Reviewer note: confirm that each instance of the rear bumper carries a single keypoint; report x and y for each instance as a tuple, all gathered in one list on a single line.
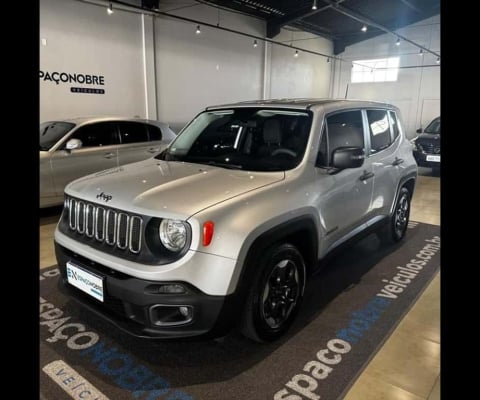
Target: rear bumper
[(130, 305)]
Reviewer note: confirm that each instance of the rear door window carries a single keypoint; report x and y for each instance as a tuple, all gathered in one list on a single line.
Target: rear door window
[(132, 132), (379, 127), (154, 133)]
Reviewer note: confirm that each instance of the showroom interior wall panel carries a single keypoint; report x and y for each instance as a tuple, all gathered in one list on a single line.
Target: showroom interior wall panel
[(307, 75), (82, 39), (416, 91), (214, 67), (157, 67)]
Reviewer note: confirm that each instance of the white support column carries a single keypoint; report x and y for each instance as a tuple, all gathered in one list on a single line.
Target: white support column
[(267, 70), (148, 40)]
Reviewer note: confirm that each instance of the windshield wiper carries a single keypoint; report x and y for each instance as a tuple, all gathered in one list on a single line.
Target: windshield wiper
[(224, 165)]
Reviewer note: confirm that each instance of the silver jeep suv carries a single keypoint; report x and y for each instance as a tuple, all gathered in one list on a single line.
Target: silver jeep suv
[(227, 223)]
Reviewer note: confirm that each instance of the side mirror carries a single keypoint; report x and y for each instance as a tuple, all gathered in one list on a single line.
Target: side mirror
[(73, 144), (419, 130), (348, 157)]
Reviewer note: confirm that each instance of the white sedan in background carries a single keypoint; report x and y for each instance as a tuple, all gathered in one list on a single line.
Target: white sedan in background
[(70, 149)]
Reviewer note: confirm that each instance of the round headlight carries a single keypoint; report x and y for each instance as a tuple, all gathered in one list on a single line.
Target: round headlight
[(173, 234)]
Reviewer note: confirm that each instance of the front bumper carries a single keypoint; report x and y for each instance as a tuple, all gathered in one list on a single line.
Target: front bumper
[(421, 159), (128, 304)]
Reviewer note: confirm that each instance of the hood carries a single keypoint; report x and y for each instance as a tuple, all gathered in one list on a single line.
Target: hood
[(167, 188)]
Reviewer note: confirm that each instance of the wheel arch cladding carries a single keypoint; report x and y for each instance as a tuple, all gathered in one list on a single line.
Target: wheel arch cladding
[(300, 232), (407, 181), (410, 185)]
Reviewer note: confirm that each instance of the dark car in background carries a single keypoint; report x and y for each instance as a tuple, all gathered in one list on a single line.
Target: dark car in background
[(426, 146)]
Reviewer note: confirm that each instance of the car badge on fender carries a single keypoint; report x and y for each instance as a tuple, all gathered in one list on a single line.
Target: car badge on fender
[(104, 196)]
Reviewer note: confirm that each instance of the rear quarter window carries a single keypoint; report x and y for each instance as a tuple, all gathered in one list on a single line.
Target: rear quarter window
[(394, 124)]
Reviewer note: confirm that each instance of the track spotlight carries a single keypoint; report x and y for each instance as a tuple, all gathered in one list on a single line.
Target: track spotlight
[(110, 8), (420, 53), (314, 5), (364, 28), (398, 42), (438, 60), (255, 43), (296, 54), (198, 31), (328, 59)]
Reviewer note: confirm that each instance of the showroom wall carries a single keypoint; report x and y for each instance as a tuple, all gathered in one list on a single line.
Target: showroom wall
[(416, 91), (307, 75), (159, 68), (81, 40), (214, 67)]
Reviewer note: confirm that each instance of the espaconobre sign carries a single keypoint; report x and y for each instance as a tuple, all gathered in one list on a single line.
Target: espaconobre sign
[(83, 79)]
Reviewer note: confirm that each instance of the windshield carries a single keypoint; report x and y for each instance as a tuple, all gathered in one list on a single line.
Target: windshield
[(433, 127), (254, 139), (51, 132)]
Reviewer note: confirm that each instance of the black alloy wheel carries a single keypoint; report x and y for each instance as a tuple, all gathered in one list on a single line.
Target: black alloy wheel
[(276, 293), (401, 215), (397, 225)]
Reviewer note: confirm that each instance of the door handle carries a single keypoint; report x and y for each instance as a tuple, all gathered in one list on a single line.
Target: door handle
[(109, 155), (397, 161), (366, 175), (153, 150)]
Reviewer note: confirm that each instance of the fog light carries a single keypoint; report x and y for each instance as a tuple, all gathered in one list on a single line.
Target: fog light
[(168, 315)]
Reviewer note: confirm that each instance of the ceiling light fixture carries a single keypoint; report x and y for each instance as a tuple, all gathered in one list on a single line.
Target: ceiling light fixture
[(314, 5), (110, 8), (398, 42), (255, 43), (198, 31), (296, 53), (328, 59), (438, 60), (364, 28), (420, 53)]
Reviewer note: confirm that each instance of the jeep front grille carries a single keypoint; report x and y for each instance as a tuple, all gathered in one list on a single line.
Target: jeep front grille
[(113, 227)]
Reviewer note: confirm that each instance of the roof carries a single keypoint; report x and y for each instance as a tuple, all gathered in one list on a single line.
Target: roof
[(302, 103), (99, 118)]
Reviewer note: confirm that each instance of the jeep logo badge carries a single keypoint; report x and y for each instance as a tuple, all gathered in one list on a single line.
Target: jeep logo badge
[(104, 196)]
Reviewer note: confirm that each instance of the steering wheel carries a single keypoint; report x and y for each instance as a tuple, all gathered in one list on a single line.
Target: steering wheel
[(289, 152)]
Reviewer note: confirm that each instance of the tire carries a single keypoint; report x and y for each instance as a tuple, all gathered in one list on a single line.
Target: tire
[(395, 229), (276, 293)]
